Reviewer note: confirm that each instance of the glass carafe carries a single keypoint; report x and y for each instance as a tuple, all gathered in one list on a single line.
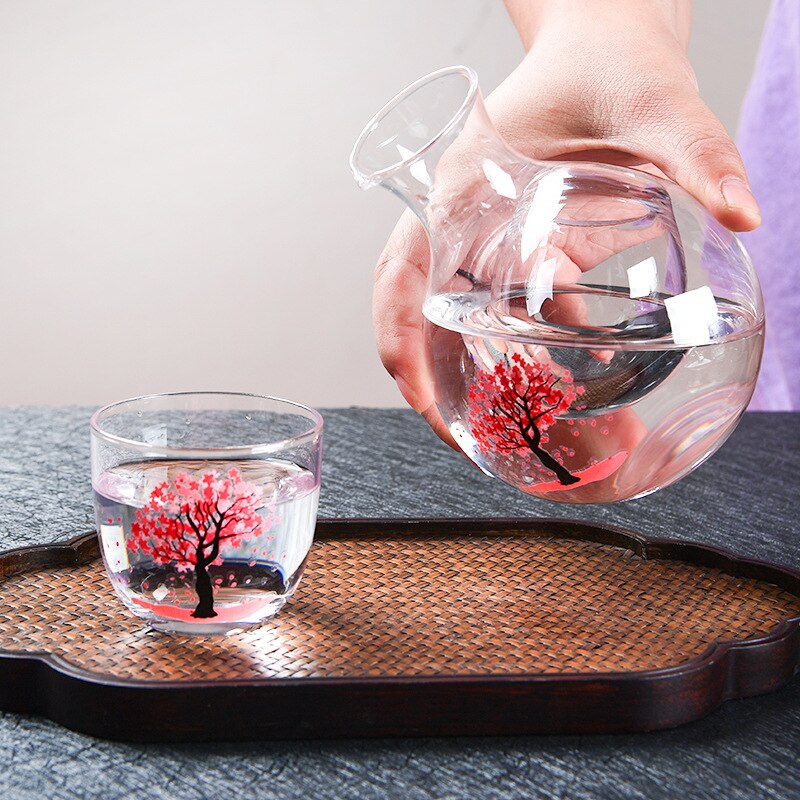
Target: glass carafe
[(593, 333)]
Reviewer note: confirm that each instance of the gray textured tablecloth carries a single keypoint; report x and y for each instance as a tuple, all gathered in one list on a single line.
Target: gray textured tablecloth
[(386, 463)]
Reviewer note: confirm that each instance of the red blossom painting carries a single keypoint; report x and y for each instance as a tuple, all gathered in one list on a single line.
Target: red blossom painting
[(185, 522), (512, 407)]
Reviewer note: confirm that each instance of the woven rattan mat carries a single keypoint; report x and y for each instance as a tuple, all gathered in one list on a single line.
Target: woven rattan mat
[(416, 606)]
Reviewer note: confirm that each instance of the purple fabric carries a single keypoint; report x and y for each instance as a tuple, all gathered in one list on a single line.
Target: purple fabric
[(769, 139)]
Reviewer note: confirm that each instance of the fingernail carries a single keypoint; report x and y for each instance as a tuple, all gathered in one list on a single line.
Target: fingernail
[(419, 404), (737, 195)]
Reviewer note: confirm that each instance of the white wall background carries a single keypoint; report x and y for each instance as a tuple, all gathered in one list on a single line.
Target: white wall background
[(176, 209)]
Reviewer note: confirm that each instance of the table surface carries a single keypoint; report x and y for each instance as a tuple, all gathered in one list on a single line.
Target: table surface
[(388, 463)]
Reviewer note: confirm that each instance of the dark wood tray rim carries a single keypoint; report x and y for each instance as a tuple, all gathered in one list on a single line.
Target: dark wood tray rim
[(726, 670)]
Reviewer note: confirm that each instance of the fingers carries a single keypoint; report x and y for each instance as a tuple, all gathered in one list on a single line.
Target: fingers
[(661, 120), (434, 419), (692, 147), (398, 295), (400, 282)]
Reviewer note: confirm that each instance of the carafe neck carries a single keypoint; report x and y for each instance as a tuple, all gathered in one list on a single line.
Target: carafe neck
[(434, 146)]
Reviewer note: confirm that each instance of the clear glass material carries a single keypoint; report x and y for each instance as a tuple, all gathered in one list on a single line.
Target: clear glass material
[(594, 334), (206, 504)]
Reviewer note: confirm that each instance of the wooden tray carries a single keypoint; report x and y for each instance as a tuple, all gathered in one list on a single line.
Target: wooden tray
[(413, 627)]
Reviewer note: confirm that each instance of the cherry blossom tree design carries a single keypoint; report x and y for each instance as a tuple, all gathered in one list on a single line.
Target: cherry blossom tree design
[(512, 406), (187, 521)]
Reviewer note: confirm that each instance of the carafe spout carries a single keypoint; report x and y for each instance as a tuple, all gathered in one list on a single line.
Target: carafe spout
[(437, 126)]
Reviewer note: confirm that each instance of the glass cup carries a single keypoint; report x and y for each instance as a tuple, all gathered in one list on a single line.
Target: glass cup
[(206, 504)]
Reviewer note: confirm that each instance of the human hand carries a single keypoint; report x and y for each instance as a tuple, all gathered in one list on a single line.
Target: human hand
[(601, 81)]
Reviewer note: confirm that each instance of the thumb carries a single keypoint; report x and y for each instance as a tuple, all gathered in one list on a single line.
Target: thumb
[(693, 148), (398, 295)]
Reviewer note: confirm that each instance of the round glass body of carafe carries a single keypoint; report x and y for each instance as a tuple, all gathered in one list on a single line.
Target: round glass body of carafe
[(592, 332)]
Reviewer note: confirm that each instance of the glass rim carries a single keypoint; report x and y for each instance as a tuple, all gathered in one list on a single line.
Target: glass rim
[(374, 177), (259, 448)]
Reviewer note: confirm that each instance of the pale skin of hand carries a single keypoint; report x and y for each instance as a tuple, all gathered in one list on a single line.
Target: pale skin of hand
[(603, 80)]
